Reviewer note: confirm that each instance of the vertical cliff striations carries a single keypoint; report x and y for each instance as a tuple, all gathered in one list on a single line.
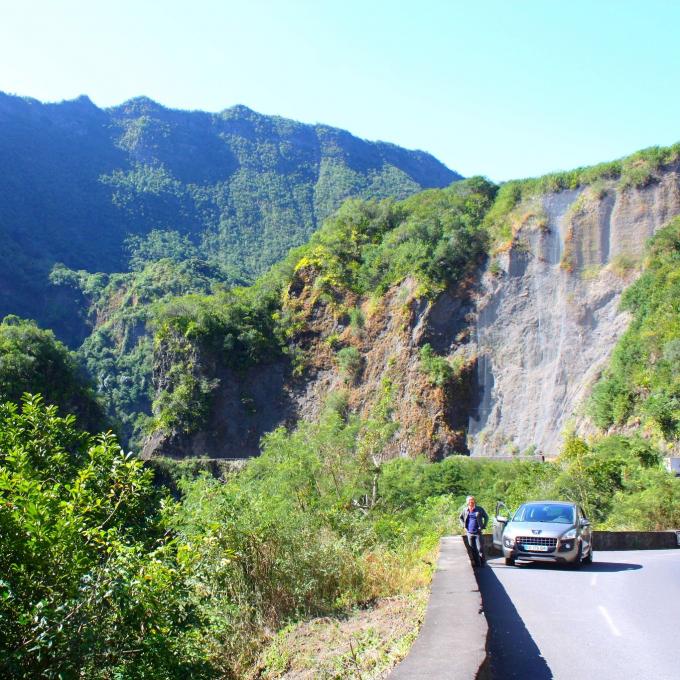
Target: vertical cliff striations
[(547, 315)]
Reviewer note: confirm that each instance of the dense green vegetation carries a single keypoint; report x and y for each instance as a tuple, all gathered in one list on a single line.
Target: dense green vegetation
[(238, 327), (641, 387), (103, 577), (618, 480), (240, 188), (435, 236), (33, 360), (86, 587), (118, 354), (440, 371)]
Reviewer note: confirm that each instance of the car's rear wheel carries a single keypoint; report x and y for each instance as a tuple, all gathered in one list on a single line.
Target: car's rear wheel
[(510, 561)]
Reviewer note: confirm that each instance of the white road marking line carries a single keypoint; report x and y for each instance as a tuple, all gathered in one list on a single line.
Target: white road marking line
[(593, 580), (615, 631)]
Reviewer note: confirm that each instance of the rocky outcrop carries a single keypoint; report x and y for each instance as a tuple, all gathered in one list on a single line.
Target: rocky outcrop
[(527, 340), (548, 316), (386, 383), (243, 408)]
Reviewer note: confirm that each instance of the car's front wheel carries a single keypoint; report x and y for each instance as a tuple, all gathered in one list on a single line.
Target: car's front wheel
[(510, 561), (579, 558), (589, 558)]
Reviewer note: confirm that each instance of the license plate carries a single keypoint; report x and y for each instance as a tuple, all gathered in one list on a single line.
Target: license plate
[(536, 548)]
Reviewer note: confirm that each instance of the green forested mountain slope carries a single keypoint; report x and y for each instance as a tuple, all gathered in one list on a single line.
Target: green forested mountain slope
[(76, 181)]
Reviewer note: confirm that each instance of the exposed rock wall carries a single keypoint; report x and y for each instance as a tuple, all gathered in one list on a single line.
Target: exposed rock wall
[(529, 340), (546, 323), (389, 382)]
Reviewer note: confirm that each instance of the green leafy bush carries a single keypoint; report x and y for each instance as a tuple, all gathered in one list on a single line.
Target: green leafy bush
[(349, 362), (356, 319), (438, 369), (89, 586)]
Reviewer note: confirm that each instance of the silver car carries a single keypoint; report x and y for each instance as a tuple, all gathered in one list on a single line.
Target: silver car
[(544, 531)]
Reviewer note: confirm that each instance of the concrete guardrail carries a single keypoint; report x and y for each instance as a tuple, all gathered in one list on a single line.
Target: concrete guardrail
[(617, 540), (452, 641)]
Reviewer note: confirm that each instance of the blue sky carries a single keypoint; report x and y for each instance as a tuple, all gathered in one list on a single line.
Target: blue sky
[(503, 88)]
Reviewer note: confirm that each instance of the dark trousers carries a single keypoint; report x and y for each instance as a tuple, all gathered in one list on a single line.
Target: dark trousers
[(476, 548)]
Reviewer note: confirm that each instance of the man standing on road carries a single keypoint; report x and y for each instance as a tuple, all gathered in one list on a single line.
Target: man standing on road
[(474, 519)]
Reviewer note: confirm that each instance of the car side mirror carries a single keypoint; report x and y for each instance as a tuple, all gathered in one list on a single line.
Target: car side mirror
[(584, 522), (500, 506)]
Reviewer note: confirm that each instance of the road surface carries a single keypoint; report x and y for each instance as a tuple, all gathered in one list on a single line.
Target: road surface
[(618, 618)]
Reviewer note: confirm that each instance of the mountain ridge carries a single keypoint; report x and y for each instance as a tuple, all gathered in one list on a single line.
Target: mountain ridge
[(77, 180)]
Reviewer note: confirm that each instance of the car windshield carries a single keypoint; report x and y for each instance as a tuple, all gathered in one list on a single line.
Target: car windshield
[(558, 513)]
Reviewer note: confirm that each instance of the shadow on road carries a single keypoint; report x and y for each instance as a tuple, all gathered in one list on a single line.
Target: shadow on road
[(594, 568), (512, 650)]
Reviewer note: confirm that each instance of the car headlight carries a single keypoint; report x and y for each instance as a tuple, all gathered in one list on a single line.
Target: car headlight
[(570, 534), (508, 542)]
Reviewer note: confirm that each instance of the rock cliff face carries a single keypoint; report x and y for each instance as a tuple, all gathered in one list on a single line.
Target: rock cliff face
[(390, 381), (526, 339), (387, 382), (548, 318)]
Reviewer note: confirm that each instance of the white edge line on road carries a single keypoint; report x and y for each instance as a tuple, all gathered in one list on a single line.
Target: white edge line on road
[(605, 614)]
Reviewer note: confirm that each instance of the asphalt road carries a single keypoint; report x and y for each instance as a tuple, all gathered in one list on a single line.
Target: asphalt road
[(618, 618)]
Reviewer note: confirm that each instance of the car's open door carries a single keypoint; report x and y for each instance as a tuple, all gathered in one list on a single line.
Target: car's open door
[(500, 520)]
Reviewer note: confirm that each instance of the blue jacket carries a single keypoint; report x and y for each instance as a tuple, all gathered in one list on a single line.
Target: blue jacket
[(482, 517)]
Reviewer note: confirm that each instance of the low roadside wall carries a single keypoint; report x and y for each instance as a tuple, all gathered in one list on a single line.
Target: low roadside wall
[(634, 540), (617, 540), (451, 644)]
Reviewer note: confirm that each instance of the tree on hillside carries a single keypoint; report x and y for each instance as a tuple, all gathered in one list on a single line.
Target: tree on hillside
[(33, 360)]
